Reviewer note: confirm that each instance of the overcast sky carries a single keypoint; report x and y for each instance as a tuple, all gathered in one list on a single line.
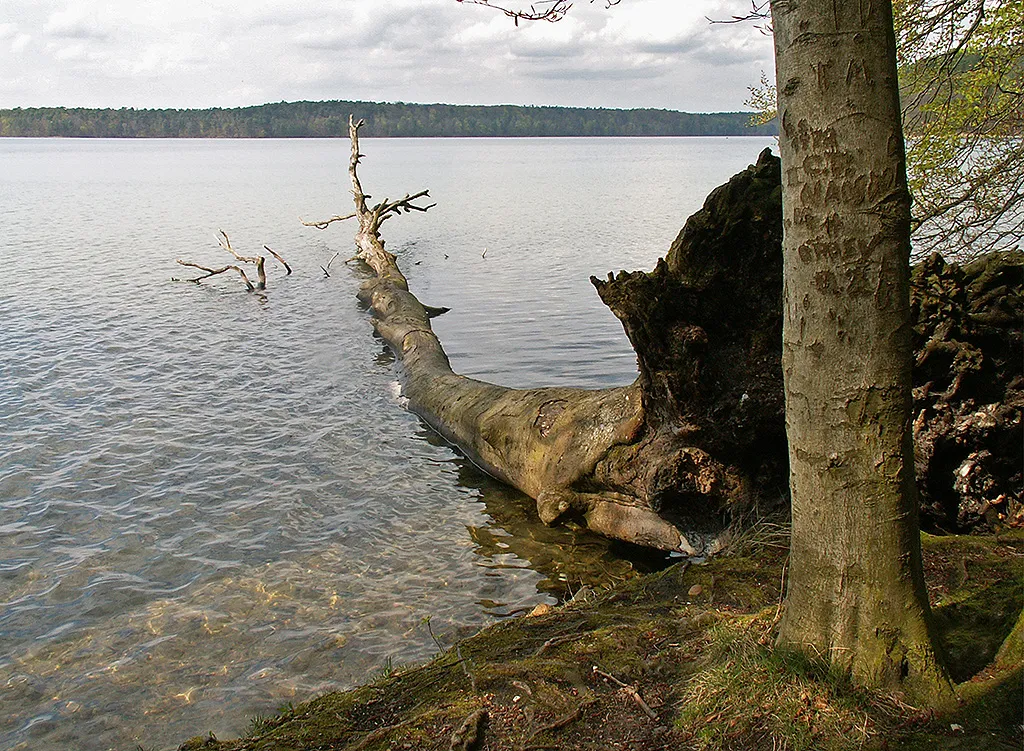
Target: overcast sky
[(228, 53)]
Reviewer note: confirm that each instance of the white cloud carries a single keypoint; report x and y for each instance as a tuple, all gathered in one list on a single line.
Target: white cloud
[(75, 23), (641, 53)]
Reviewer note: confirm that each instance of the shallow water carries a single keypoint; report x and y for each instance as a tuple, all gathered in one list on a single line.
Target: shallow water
[(212, 502)]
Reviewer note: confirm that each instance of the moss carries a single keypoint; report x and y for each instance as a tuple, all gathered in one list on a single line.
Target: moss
[(977, 586)]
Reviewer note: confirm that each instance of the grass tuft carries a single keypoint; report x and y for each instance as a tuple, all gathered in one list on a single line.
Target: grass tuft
[(748, 696), (759, 537)]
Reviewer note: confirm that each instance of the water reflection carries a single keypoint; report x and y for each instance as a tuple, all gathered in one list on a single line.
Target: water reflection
[(568, 556)]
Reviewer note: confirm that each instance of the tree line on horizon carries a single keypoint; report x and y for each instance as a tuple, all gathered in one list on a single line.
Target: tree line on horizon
[(385, 120)]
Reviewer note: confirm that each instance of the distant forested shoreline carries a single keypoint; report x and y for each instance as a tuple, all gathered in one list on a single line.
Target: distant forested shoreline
[(384, 120)]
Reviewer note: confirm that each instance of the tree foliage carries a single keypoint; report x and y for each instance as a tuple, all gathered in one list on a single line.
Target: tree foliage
[(961, 68), (962, 80), (394, 120)]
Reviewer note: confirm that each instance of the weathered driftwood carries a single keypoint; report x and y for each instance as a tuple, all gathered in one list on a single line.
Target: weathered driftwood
[(214, 272), (259, 261), (633, 461), (287, 268)]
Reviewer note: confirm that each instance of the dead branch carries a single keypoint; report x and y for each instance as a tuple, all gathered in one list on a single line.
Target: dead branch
[(213, 272), (386, 208), (225, 242), (326, 268), (287, 268), (260, 261), (369, 217), (759, 11), (561, 722), (542, 10), (554, 642), (630, 691), (323, 224)]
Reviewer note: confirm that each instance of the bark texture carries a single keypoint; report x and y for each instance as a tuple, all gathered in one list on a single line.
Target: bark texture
[(856, 594), (706, 325)]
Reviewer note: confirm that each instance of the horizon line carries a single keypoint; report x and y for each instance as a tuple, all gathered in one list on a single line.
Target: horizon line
[(368, 101)]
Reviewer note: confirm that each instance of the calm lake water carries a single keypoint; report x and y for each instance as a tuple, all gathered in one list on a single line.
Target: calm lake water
[(212, 502)]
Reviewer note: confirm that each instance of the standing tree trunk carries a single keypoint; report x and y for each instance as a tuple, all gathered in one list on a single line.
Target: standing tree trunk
[(856, 594)]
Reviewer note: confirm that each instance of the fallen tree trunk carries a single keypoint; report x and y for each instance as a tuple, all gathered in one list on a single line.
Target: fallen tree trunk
[(638, 463), (699, 439)]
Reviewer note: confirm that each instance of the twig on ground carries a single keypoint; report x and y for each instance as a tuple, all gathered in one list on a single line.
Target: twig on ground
[(560, 723), (379, 733), (629, 691), (554, 643), (468, 735)]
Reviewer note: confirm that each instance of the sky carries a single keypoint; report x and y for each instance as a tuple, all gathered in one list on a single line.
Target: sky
[(230, 53)]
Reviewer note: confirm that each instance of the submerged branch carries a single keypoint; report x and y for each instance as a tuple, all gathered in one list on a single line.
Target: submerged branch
[(213, 272), (287, 268), (259, 261)]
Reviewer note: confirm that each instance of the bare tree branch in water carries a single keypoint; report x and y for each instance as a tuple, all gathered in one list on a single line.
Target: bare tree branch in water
[(258, 261), (213, 272), (287, 268)]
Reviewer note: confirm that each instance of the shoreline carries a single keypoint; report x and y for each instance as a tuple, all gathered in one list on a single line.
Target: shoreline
[(679, 659)]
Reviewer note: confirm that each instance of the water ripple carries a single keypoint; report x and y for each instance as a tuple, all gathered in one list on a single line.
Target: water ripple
[(212, 501)]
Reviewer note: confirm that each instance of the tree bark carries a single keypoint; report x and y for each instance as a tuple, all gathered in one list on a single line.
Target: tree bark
[(662, 462), (856, 594)]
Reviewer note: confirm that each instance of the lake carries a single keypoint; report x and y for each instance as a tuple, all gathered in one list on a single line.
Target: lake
[(212, 502)]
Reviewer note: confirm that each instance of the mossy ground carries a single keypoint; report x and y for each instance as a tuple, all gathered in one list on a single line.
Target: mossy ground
[(696, 667)]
